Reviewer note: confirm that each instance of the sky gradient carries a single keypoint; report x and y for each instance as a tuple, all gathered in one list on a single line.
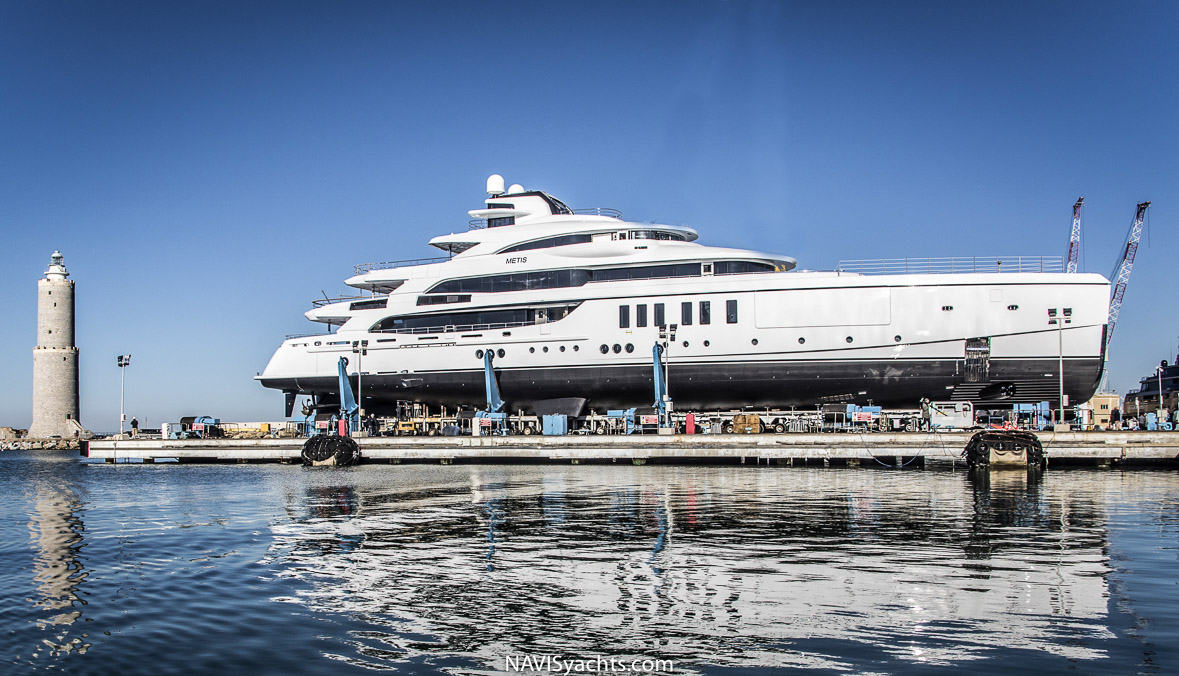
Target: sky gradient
[(207, 169)]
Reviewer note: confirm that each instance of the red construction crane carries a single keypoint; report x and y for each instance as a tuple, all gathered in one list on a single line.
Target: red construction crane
[(1123, 272), (1074, 240)]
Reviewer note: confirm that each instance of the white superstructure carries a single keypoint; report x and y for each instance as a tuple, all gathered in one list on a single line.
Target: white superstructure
[(570, 304)]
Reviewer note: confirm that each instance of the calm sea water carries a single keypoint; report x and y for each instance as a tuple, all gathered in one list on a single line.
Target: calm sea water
[(150, 569)]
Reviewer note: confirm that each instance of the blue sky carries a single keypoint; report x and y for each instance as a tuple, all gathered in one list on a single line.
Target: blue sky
[(208, 168)]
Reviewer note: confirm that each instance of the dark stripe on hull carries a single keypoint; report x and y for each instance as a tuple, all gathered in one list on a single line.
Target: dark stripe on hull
[(724, 386)]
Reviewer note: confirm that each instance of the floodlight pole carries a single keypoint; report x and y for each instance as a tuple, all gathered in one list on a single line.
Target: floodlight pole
[(1064, 318), (123, 360)]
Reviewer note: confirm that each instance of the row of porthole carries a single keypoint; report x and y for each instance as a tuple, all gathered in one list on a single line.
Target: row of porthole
[(500, 353), (546, 349), (895, 339), (605, 349)]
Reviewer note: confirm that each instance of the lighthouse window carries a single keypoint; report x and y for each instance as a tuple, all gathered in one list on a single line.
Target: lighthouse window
[(624, 316), (660, 320), (640, 315), (731, 311), (686, 313), (705, 312)]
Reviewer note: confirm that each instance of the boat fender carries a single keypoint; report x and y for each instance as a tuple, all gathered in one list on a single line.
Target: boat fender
[(325, 450)]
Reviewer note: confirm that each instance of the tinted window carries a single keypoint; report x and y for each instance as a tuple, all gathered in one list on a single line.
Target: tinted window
[(731, 311), (740, 267), (656, 234), (659, 318), (443, 300), (705, 312), (647, 272), (640, 315), (686, 314), (520, 281), (556, 279), (624, 316), (447, 320), (548, 243)]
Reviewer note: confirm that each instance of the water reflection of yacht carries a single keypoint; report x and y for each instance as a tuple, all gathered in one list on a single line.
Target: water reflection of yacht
[(570, 304), (712, 566)]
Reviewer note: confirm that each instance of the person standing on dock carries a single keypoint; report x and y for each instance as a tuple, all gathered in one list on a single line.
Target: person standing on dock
[(134, 427)]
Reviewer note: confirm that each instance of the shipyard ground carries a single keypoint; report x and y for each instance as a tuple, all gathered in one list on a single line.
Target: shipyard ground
[(927, 449)]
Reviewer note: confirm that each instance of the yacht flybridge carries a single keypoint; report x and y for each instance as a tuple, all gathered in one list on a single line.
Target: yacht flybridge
[(569, 304)]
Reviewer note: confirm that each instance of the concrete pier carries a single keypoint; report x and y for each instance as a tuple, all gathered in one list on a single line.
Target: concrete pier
[(777, 449)]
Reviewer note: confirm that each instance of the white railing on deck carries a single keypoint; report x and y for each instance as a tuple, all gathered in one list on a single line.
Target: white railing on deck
[(387, 265), (900, 266), (599, 211)]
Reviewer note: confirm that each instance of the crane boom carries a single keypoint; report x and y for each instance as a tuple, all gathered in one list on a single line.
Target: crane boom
[(1074, 240), (1123, 271)]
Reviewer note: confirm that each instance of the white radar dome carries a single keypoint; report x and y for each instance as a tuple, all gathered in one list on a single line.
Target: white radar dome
[(495, 184), (515, 189)]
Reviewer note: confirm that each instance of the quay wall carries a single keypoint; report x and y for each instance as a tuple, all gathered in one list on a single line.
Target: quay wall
[(932, 448)]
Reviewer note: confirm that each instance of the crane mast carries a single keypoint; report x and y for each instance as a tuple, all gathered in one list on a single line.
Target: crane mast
[(1074, 240), (1123, 272)]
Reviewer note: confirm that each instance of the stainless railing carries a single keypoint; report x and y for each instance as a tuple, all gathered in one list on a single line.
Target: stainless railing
[(480, 223), (387, 265), (456, 328), (599, 211), (320, 302), (900, 266)]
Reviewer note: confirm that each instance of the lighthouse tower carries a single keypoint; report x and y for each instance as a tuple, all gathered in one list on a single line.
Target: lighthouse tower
[(55, 359)]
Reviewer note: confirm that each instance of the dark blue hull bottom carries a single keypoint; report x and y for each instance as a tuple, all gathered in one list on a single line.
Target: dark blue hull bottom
[(727, 386)]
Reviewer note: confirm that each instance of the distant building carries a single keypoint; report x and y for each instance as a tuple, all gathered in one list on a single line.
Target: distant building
[(55, 358), (1099, 409), (1146, 398)]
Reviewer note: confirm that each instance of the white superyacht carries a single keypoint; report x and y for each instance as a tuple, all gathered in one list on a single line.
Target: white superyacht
[(569, 304)]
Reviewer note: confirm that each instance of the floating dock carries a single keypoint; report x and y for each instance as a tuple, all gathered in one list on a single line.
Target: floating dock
[(929, 448)]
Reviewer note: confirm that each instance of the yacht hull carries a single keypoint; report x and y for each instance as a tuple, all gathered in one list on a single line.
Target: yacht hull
[(727, 385)]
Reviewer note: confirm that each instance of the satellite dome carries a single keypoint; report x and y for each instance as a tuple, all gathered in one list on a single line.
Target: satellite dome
[(515, 189), (495, 185)]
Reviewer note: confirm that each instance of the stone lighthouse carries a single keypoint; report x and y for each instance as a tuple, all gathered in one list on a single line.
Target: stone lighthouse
[(55, 359)]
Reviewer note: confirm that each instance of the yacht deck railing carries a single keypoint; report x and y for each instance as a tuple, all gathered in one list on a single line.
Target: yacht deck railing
[(456, 328), (900, 266), (388, 265), (480, 223), (599, 211), (320, 302)]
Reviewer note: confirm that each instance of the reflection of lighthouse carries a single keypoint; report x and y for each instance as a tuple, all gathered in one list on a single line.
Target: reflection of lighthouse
[(55, 359)]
